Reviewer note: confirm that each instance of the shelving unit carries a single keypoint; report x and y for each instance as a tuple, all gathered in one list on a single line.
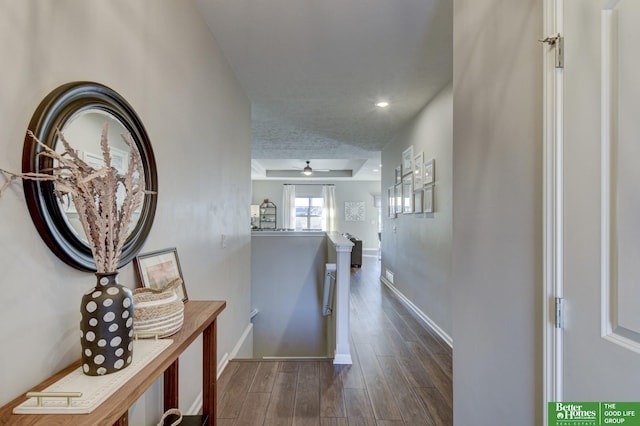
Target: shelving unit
[(268, 216), (199, 319)]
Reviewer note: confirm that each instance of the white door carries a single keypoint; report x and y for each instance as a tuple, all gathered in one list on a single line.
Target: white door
[(601, 200)]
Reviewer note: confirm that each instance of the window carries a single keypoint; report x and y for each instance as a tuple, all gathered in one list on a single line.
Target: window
[(309, 213)]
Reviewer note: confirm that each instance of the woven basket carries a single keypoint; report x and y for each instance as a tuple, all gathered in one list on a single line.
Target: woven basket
[(157, 312)]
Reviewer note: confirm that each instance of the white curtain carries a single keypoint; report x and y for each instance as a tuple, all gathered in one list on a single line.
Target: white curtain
[(329, 208), (289, 206)]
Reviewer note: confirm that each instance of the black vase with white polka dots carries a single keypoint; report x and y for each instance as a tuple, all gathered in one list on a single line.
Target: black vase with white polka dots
[(106, 327)]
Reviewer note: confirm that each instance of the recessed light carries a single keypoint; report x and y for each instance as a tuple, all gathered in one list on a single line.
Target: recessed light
[(376, 170), (382, 104)]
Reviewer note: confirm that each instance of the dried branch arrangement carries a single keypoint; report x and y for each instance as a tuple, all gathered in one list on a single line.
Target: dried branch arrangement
[(105, 217)]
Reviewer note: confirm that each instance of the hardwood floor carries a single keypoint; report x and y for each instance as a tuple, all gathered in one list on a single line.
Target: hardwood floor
[(401, 373)]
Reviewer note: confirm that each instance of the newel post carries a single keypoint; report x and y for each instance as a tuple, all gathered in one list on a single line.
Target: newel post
[(343, 246)]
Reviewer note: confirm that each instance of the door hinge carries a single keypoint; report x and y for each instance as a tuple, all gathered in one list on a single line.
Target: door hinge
[(557, 41), (559, 312)]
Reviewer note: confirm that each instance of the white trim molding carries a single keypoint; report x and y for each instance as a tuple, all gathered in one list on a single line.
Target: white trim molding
[(196, 406), (241, 342), (553, 227), (607, 298), (610, 328), (424, 317)]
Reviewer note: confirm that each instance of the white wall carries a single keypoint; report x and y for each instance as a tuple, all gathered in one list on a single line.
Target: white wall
[(417, 247), (160, 56), (497, 215), (366, 230)]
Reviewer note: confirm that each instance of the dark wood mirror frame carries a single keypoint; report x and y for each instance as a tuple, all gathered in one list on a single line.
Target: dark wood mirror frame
[(53, 112)]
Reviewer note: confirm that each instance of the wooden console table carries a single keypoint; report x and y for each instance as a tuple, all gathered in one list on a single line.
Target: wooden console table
[(199, 318)]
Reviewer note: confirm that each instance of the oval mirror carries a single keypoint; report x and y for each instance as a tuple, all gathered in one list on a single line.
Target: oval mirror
[(79, 111)]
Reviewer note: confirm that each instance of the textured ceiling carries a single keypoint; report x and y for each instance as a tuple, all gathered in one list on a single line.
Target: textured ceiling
[(313, 70)]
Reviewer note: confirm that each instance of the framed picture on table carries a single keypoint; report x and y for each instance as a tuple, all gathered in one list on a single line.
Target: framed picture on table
[(157, 269)]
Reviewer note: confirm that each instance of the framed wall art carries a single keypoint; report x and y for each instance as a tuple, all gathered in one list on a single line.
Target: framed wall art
[(354, 211), (418, 205), (391, 202), (407, 161), (428, 199), (397, 195), (157, 269), (407, 194), (418, 171), (430, 172)]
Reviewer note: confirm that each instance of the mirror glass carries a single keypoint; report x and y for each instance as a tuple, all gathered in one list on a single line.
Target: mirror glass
[(83, 131), (79, 110)]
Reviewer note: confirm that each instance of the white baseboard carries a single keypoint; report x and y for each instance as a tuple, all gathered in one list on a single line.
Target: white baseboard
[(246, 333), (196, 406), (224, 361), (428, 321), (222, 364), (342, 359)]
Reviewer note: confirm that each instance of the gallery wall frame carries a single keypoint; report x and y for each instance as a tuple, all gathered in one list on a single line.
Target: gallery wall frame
[(407, 161), (428, 200), (407, 194), (397, 195), (430, 172), (414, 185), (391, 202), (418, 171), (418, 204)]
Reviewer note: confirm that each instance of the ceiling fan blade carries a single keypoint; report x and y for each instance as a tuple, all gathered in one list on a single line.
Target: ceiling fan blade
[(314, 169)]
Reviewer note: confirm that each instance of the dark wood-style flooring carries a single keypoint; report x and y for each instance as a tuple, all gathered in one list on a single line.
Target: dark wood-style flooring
[(401, 373)]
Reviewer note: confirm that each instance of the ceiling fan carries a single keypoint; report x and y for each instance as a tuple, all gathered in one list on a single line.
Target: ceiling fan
[(308, 171), (288, 170)]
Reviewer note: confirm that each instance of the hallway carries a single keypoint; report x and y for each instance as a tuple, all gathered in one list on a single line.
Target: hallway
[(401, 375)]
